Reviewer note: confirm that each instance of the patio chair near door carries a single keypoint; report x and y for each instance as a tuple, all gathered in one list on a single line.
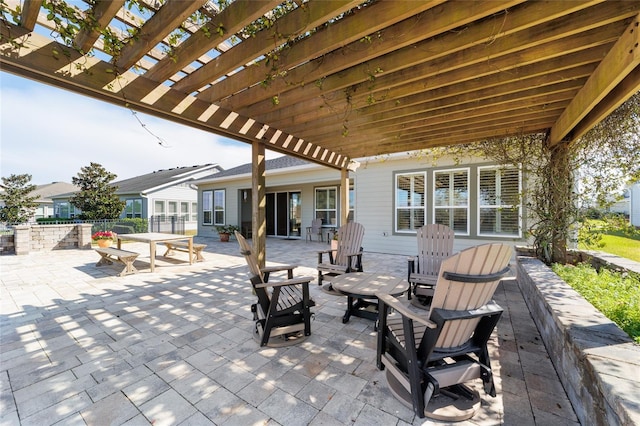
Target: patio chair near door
[(435, 243), (348, 254), (429, 357), (315, 230), (282, 314)]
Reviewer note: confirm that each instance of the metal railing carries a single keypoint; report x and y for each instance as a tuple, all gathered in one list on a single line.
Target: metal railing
[(163, 223)]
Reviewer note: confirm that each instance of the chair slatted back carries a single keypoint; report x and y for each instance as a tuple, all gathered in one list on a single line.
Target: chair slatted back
[(316, 226), (247, 252), (349, 241), (435, 243), (452, 294), (289, 296)]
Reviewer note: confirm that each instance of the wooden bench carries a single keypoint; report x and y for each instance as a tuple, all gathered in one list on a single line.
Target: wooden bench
[(109, 254), (184, 246)]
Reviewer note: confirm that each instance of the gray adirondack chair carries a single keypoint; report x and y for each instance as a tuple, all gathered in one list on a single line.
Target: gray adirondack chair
[(282, 314), (429, 356), (347, 256), (315, 230), (435, 243)]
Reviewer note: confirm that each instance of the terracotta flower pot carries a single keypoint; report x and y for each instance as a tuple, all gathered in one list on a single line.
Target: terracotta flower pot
[(105, 243)]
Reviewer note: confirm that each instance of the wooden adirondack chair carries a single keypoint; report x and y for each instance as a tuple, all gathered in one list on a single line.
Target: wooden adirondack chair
[(348, 254), (429, 357), (282, 315), (315, 229), (435, 243)]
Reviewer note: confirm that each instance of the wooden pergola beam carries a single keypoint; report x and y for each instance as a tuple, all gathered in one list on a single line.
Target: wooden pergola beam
[(479, 102), (621, 60), (103, 12), (29, 15), (615, 98), (296, 22), (169, 17), (230, 21), (450, 58), (345, 47)]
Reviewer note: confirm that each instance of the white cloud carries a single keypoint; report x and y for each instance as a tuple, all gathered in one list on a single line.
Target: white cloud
[(51, 133)]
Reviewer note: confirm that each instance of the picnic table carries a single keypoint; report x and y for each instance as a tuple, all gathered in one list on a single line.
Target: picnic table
[(157, 237)]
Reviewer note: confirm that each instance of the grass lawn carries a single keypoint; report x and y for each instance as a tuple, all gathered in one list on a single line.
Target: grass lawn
[(615, 295), (619, 244)]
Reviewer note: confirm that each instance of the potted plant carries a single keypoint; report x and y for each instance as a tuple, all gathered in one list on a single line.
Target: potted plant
[(224, 231), (104, 238), (334, 245)]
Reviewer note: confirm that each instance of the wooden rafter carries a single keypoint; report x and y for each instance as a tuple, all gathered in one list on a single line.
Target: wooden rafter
[(30, 11), (352, 78), (446, 57), (161, 24), (295, 23), (230, 21), (103, 11), (621, 61)]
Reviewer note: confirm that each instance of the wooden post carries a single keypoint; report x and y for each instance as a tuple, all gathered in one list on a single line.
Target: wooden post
[(560, 185), (258, 202), (344, 196)]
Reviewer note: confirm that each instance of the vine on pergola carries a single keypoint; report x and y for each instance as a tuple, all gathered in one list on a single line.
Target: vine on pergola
[(562, 180)]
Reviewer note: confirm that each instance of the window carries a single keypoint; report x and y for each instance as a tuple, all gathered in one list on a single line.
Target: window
[(207, 207), (184, 210), (133, 208), (327, 205), (499, 201), (194, 212), (451, 199), (352, 204), (218, 207), (66, 210), (173, 208), (158, 210), (410, 201)]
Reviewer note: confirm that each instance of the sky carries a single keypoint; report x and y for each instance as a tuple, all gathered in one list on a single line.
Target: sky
[(52, 133)]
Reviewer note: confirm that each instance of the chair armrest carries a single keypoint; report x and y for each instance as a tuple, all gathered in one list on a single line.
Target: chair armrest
[(278, 268), (399, 307), (490, 308), (295, 281)]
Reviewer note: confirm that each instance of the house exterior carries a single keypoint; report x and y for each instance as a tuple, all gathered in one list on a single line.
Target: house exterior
[(162, 194), (391, 196), (45, 194), (634, 204)]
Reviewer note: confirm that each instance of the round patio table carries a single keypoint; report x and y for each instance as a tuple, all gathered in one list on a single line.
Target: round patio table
[(363, 287)]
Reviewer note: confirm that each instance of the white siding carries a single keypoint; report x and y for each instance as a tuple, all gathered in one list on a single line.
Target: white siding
[(634, 201), (374, 199)]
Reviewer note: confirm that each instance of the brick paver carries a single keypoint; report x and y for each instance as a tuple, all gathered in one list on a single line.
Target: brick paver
[(81, 345)]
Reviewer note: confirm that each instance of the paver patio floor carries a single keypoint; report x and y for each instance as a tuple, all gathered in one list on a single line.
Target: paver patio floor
[(81, 345)]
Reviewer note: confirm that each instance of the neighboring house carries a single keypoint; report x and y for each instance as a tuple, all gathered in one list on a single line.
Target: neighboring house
[(391, 196), (162, 194), (45, 194), (634, 204)]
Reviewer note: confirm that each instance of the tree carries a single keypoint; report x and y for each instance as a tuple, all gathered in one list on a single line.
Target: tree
[(18, 205), (97, 199)]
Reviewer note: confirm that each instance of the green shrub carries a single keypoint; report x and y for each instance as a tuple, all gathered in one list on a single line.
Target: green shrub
[(614, 294)]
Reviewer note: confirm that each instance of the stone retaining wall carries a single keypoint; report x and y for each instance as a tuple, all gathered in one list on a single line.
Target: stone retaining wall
[(598, 364), (32, 238)]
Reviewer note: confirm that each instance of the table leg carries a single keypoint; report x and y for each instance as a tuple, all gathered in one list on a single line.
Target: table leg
[(152, 255), (347, 314)]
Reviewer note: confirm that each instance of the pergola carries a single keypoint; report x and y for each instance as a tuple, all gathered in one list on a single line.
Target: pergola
[(330, 81)]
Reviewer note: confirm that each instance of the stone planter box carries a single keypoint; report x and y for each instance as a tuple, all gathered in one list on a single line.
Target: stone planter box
[(598, 364)]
